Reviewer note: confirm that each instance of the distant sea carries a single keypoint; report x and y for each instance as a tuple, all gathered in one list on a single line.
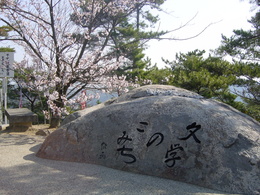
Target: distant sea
[(106, 96), (234, 89)]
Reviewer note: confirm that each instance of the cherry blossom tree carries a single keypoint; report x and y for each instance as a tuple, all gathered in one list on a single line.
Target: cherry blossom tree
[(68, 44)]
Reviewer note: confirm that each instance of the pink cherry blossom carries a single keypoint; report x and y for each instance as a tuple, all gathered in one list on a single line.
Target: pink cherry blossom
[(68, 47)]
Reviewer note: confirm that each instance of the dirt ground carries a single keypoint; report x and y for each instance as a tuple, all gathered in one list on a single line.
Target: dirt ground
[(31, 131)]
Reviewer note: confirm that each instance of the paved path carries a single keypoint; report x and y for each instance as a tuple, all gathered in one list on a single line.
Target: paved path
[(22, 173)]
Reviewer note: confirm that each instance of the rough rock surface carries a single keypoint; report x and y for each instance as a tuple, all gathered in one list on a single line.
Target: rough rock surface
[(167, 132), (43, 132), (20, 119)]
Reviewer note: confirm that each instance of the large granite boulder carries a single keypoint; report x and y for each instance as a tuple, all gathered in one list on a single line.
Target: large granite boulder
[(167, 132)]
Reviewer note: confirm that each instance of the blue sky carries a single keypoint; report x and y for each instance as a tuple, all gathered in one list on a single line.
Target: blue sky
[(226, 14)]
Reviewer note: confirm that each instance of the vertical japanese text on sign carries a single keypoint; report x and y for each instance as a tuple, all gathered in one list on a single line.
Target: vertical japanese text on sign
[(6, 64)]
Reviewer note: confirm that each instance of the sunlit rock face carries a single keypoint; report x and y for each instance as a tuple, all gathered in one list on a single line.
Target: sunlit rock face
[(167, 132)]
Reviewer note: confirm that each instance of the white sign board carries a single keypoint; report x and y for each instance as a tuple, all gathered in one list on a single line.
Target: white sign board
[(6, 64)]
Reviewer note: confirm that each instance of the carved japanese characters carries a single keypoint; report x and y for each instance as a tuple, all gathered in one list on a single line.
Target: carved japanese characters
[(167, 132)]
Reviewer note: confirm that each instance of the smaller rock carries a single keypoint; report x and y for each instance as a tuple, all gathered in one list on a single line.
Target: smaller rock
[(43, 132), (20, 119)]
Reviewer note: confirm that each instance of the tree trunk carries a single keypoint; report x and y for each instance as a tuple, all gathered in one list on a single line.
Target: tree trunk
[(55, 118), (55, 122)]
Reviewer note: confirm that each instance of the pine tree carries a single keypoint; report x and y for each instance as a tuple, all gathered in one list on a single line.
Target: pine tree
[(130, 38), (208, 77), (243, 47), (4, 30)]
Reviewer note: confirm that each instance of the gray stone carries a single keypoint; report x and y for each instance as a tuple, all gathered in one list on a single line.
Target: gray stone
[(80, 113), (43, 132), (157, 90), (20, 119), (166, 132), (145, 91)]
